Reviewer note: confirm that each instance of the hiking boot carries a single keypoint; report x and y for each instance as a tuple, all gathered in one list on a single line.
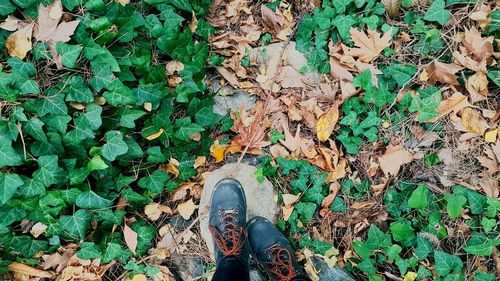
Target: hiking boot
[(227, 221), (273, 251)]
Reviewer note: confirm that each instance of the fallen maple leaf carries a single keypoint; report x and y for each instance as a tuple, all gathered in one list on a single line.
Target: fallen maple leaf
[(130, 237), (48, 27), (455, 103), (479, 81), (443, 72), (393, 158), (326, 123), (186, 209), (369, 46), (272, 21), (19, 43), (480, 48)]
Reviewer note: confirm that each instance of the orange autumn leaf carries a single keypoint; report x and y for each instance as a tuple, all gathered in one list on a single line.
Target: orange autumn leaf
[(218, 151)]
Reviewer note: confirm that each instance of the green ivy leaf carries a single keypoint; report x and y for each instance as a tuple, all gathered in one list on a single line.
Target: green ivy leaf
[(115, 146), (484, 276), (6, 7), (90, 200), (341, 5), (187, 129), (8, 155), (305, 210), (49, 172), (426, 107), (401, 73), (343, 23), (119, 94), (155, 182), (88, 251), (10, 183), (424, 247), (454, 205), (419, 199), (75, 227), (446, 263), (401, 231), (69, 53), (437, 13)]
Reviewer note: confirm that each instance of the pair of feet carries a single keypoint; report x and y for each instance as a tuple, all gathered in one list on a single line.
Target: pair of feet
[(234, 237)]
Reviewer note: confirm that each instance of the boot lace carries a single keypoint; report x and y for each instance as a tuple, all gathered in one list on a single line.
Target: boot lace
[(233, 237), (281, 264)]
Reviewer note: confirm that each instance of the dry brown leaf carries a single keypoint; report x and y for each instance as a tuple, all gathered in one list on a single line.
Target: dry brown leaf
[(455, 103), (393, 158), (272, 21), (490, 186), (469, 63), (392, 7), (10, 23), (48, 27), (186, 209), (290, 199), (172, 167), (200, 162), (369, 46), (19, 43), (443, 72), (152, 211), (278, 150), (193, 24), (479, 81), (480, 48), (28, 270), (228, 75), (174, 67), (130, 238), (473, 122), (38, 229), (287, 212), (326, 123)]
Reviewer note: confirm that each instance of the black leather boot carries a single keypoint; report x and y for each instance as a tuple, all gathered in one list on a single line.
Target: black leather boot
[(273, 251), (227, 221)]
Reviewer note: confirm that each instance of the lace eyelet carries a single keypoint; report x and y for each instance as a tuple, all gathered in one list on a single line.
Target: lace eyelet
[(237, 211), (219, 213), (221, 220), (237, 220)]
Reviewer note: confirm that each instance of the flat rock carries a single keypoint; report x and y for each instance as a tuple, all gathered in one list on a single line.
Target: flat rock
[(233, 102), (331, 274), (188, 268), (260, 196)]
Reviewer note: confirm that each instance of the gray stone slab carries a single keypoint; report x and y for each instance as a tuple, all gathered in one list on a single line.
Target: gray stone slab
[(260, 196)]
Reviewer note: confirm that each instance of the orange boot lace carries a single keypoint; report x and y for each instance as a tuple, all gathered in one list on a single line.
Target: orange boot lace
[(232, 239), (281, 266)]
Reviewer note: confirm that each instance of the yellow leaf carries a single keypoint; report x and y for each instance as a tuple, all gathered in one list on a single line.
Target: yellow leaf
[(155, 135), (139, 277), (172, 167), (200, 161), (122, 2), (424, 76), (473, 122), (410, 276), (186, 209), (327, 122), (217, 151), (19, 43), (491, 136)]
